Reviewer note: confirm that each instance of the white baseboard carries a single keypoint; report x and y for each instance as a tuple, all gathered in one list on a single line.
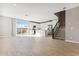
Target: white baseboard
[(72, 41)]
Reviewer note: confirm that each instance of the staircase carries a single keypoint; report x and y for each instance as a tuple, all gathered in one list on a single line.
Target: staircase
[(60, 34)]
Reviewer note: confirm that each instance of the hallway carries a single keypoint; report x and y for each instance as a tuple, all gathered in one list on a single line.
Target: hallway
[(41, 46)]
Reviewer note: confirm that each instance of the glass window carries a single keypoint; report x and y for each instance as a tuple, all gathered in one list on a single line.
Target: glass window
[(21, 27)]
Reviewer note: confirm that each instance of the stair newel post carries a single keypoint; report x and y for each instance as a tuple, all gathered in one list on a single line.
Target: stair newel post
[(53, 33)]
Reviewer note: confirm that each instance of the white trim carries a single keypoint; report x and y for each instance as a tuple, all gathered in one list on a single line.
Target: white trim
[(72, 41)]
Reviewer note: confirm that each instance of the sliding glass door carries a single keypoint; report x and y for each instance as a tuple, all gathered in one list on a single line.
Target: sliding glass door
[(22, 27)]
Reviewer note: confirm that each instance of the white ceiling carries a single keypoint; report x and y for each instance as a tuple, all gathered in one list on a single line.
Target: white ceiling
[(36, 11)]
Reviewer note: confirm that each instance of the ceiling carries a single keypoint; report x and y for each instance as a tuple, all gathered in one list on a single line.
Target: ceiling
[(38, 12)]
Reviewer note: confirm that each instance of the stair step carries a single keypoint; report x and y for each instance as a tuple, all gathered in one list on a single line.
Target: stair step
[(60, 37), (60, 34)]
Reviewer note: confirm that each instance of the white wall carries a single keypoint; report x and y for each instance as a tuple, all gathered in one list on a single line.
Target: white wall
[(72, 25), (5, 26)]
